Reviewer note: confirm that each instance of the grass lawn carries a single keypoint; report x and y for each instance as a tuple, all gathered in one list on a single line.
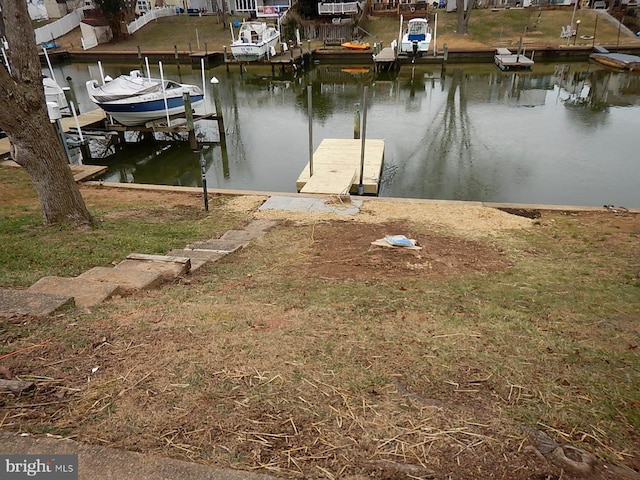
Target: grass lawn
[(311, 353)]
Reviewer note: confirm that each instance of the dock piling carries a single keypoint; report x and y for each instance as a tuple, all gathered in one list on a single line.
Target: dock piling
[(188, 112), (356, 122), (310, 108), (216, 101), (364, 136)]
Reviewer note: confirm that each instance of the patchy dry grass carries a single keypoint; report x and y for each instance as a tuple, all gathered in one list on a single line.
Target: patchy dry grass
[(312, 353)]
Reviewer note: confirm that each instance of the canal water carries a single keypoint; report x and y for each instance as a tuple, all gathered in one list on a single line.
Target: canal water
[(561, 134)]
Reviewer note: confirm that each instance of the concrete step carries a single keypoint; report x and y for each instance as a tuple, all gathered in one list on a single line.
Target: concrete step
[(128, 280), (257, 228), (170, 267), (85, 293), (198, 257), (107, 463), (22, 302), (216, 245)]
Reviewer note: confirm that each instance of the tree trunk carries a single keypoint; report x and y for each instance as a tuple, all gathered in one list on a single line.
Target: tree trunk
[(36, 145), (463, 15)]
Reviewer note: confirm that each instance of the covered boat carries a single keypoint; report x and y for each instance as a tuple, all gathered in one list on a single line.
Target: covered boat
[(416, 38), (134, 100), (255, 40), (55, 93)]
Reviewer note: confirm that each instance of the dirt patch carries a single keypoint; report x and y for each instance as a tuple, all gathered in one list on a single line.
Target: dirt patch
[(456, 218), (343, 250)]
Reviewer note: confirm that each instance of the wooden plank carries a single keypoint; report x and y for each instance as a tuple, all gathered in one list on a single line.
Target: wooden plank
[(386, 55), (158, 258), (336, 162), (84, 119), (86, 172), (330, 181)]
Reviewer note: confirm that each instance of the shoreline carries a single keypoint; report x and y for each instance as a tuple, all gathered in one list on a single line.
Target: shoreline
[(335, 55)]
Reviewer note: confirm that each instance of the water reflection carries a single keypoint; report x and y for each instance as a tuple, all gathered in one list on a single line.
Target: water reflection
[(562, 134)]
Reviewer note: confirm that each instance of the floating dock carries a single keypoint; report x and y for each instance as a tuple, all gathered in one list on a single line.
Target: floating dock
[(505, 60), (336, 168)]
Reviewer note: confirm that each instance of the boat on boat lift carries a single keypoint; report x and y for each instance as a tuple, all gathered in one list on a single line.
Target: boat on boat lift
[(416, 38), (256, 40), (134, 100)]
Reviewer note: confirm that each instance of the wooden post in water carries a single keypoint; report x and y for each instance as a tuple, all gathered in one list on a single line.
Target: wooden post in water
[(445, 56), (216, 102), (188, 112), (310, 108), (175, 55), (356, 122), (364, 136), (224, 55), (140, 57)]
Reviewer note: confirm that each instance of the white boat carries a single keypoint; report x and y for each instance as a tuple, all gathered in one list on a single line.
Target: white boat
[(255, 40), (416, 38), (54, 93), (134, 100)]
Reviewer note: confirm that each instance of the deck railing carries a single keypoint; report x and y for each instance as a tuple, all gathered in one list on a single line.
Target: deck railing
[(343, 8)]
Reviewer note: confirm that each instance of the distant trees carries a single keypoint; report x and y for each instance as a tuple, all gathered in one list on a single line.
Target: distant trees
[(116, 12)]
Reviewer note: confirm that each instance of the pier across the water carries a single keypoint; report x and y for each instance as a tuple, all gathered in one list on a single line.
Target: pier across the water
[(336, 168)]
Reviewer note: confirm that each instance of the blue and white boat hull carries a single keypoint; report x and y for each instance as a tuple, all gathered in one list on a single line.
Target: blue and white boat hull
[(135, 100)]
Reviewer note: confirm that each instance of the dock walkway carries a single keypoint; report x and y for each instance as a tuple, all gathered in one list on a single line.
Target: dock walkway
[(386, 60), (68, 123), (336, 168)]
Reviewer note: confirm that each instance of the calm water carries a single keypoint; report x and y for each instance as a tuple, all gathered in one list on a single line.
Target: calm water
[(562, 134)]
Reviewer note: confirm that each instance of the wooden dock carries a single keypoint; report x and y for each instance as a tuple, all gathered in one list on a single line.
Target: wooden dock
[(68, 123), (386, 60), (336, 168), (505, 60), (80, 173), (293, 57)]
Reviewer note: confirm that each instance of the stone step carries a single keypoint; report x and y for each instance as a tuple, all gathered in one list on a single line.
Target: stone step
[(85, 293), (170, 267), (258, 228), (23, 302), (198, 257), (128, 280), (216, 245)]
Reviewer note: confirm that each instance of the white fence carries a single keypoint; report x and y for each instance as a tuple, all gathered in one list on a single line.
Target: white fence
[(60, 27), (338, 8), (150, 15), (88, 43)]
